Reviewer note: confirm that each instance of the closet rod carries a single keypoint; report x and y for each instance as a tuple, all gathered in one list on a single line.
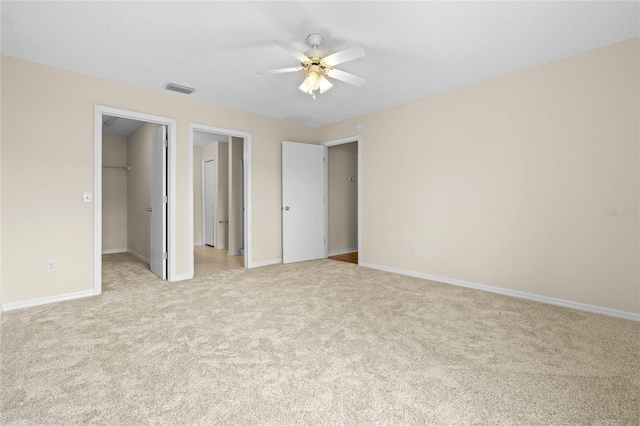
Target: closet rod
[(127, 168)]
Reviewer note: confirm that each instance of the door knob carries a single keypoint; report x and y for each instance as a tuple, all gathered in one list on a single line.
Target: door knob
[(149, 209), (286, 207)]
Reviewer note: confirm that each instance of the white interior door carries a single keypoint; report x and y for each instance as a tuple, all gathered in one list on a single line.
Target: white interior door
[(242, 206), (303, 176), (159, 202), (209, 219)]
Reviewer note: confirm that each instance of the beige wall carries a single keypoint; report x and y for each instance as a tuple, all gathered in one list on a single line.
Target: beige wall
[(114, 193), (343, 206), (506, 182), (197, 196), (47, 123), (235, 194)]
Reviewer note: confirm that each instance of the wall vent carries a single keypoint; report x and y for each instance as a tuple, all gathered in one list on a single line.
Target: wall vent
[(179, 88), (297, 118)]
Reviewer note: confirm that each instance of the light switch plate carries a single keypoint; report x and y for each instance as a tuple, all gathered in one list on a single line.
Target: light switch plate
[(86, 197)]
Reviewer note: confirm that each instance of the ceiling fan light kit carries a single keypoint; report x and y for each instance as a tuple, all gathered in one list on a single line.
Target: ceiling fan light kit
[(319, 69)]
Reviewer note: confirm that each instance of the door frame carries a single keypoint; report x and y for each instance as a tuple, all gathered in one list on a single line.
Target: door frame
[(99, 111), (246, 136), (357, 139), (215, 202)]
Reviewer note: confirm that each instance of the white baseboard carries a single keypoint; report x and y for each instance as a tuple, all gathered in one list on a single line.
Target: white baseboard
[(144, 259), (198, 244), (222, 246), (181, 277), (513, 293), (112, 251), (46, 300), (265, 263), (1, 311), (343, 251), (241, 251), (234, 253)]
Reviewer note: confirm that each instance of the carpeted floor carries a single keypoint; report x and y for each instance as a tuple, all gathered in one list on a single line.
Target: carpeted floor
[(319, 342)]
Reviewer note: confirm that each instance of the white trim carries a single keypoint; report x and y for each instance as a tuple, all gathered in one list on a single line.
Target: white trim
[(139, 256), (112, 251), (198, 245), (246, 136), (222, 246), (234, 253), (357, 139), (343, 251), (342, 141), (326, 201), (2, 311), (173, 201), (513, 293), (182, 277), (215, 201), (99, 110), (265, 263), (46, 300)]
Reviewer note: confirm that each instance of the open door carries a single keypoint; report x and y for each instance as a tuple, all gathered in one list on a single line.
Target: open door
[(303, 201), (159, 202)]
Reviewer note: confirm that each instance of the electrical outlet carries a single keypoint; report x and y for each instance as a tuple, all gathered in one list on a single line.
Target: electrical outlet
[(414, 249), (51, 265)]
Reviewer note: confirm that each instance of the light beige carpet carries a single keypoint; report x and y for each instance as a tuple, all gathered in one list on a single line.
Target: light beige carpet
[(319, 342)]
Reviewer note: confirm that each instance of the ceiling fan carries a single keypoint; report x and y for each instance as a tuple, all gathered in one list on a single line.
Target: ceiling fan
[(318, 69)]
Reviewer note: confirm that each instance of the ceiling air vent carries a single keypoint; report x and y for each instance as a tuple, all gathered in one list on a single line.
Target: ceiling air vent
[(179, 88), (297, 118)]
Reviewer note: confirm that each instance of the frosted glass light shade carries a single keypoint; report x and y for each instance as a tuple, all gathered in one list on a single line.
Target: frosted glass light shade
[(305, 89), (324, 84), (312, 81)]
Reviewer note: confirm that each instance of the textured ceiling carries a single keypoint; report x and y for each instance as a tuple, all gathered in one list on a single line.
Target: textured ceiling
[(119, 125), (414, 49)]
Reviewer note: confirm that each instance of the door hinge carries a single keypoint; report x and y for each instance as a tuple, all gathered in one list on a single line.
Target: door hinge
[(166, 199), (165, 255), (165, 143)]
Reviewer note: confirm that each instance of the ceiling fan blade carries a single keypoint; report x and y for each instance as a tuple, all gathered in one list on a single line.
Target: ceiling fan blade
[(280, 70), (292, 50), (347, 77), (348, 54)]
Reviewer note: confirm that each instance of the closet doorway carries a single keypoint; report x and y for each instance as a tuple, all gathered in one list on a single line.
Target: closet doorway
[(134, 178)]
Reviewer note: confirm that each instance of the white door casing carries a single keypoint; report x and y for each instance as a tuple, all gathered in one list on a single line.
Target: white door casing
[(98, 112), (248, 192), (159, 202), (209, 183), (303, 201)]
